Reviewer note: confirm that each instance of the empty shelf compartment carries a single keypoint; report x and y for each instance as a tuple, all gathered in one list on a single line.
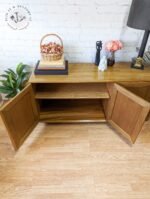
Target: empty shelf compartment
[(72, 91), (71, 111)]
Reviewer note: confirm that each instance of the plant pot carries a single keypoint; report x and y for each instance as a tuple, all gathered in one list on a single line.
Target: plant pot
[(111, 59)]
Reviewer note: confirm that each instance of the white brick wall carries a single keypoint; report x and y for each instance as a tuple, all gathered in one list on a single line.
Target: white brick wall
[(79, 22)]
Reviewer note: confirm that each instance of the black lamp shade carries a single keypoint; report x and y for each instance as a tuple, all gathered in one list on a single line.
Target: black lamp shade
[(139, 16)]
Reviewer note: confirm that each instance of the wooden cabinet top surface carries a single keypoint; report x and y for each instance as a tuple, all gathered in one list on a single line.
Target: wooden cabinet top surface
[(88, 73)]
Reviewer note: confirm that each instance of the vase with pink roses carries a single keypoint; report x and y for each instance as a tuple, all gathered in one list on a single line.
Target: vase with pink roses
[(111, 47)]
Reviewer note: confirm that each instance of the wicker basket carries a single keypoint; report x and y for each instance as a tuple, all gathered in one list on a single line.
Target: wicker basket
[(51, 57)]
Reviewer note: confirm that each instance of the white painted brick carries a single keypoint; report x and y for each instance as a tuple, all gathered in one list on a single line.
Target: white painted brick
[(79, 23)]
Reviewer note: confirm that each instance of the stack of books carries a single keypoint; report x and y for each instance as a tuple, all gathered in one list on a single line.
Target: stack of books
[(59, 67)]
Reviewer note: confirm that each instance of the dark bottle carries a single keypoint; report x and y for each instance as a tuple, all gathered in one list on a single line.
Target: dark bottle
[(99, 48)]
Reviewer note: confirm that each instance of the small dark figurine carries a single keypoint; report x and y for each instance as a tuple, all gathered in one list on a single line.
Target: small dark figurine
[(98, 52)]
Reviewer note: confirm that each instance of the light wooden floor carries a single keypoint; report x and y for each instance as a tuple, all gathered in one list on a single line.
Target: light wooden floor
[(86, 161)]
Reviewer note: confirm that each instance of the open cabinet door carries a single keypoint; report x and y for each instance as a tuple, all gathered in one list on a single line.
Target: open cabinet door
[(20, 116), (126, 111)]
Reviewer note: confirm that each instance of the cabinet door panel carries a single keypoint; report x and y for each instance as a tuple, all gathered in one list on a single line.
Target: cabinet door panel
[(126, 111), (141, 89), (20, 116)]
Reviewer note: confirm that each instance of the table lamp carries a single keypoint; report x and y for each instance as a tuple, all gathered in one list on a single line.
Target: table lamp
[(139, 18)]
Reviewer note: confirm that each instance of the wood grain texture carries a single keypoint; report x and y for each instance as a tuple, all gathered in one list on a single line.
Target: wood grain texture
[(71, 91), (129, 112), (71, 111), (108, 104), (20, 116), (141, 89), (76, 161), (89, 73)]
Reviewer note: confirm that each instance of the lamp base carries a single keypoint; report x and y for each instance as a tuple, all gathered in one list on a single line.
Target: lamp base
[(137, 63)]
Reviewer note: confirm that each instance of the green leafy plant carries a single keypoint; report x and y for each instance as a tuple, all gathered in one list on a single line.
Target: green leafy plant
[(14, 81)]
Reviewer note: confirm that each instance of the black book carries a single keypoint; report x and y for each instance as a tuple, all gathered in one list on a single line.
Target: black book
[(51, 72)]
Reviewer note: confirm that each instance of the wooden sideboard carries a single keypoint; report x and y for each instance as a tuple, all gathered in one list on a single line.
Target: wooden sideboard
[(120, 96)]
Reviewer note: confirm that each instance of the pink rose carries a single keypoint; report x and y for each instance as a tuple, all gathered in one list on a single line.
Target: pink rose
[(113, 45), (109, 46), (120, 45)]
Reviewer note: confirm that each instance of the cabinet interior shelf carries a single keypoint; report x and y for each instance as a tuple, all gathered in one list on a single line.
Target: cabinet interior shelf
[(71, 111), (71, 91)]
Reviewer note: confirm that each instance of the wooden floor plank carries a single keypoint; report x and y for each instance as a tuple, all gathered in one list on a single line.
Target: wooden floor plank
[(75, 161)]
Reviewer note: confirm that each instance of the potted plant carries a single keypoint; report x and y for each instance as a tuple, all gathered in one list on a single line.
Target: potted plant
[(1, 100), (111, 48), (14, 81)]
